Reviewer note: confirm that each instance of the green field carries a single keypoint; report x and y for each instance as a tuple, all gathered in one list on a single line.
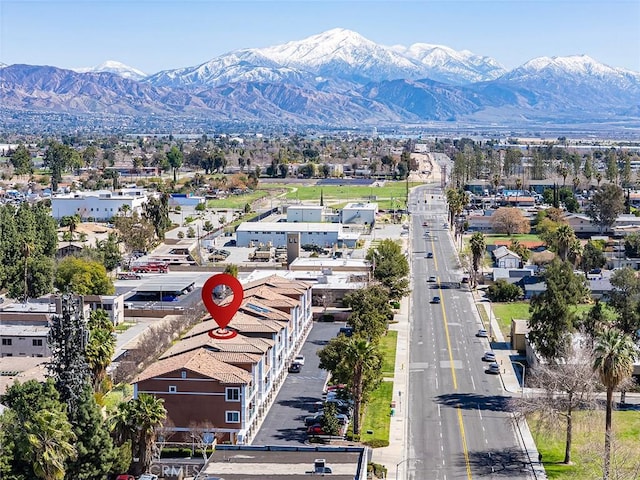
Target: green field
[(237, 201), (331, 193), (504, 312), (588, 445), (490, 239)]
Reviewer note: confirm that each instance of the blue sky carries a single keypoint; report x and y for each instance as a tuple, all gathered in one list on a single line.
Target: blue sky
[(154, 35)]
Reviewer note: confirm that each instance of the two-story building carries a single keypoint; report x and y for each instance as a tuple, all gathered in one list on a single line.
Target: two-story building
[(100, 205)]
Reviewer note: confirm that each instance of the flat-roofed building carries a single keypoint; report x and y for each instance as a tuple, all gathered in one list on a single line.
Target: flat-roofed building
[(24, 341), (99, 205), (253, 234), (359, 213)]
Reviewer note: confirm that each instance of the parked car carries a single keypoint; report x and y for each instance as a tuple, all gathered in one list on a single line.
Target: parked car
[(295, 367), (125, 476), (493, 368), (489, 357), (319, 417), (346, 331), (429, 255), (148, 476), (482, 333), (315, 430), (299, 359)]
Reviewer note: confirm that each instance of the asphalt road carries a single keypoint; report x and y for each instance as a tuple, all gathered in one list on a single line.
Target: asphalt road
[(458, 427), (284, 424)]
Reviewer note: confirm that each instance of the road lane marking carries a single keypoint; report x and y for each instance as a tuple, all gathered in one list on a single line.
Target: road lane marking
[(455, 387)]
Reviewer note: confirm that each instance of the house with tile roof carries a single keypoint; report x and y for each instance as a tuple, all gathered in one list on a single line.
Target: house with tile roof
[(201, 391)]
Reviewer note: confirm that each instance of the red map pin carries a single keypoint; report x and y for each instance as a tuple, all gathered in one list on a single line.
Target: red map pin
[(222, 314)]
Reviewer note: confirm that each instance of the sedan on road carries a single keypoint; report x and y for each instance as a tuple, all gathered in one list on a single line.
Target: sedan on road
[(482, 333), (435, 300), (489, 357), (433, 278), (429, 255), (494, 368), (295, 367), (299, 359)]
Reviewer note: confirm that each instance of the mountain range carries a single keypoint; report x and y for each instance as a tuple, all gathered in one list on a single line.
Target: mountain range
[(338, 78)]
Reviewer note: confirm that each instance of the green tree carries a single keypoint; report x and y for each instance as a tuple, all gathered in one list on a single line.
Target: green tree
[(632, 245), (478, 247), (509, 220), (606, 205), (71, 221), (156, 211), (94, 446), (503, 291), (614, 354), (175, 159), (83, 277), (625, 299), (136, 232), (137, 421), (109, 251), (58, 159), (370, 311), (50, 438), (231, 269), (562, 240), (592, 257), (391, 267), (21, 161), (330, 423), (101, 346), (355, 362), (552, 318)]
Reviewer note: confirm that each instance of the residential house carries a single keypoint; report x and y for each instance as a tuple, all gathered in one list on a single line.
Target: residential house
[(505, 258)]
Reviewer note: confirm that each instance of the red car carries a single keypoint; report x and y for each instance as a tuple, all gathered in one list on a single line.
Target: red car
[(315, 430)]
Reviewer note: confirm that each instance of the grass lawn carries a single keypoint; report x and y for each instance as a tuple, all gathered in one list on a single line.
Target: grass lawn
[(396, 190), (504, 312), (490, 239), (377, 415), (237, 201), (120, 393), (588, 445), (388, 348)]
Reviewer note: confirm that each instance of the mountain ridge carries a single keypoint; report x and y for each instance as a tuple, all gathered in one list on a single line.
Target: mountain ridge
[(337, 77)]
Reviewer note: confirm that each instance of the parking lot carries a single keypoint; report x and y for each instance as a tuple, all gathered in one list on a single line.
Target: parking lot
[(284, 424)]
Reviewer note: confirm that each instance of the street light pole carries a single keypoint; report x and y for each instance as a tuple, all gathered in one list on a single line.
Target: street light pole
[(490, 322), (402, 461), (523, 373)]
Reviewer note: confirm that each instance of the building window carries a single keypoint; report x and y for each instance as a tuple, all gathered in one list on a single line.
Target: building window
[(232, 394), (37, 342), (232, 417), (184, 374), (6, 341), (173, 389)]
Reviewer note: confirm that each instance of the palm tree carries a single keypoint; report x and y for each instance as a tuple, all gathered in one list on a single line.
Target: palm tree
[(49, 438), (564, 239), (478, 246), (99, 352), (614, 355), (137, 420), (518, 187), (495, 182), (360, 357)]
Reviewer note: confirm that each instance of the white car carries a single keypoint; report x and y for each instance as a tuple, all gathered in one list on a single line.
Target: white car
[(299, 359)]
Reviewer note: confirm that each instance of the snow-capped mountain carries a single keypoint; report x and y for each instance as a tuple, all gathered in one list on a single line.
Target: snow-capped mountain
[(111, 66), (340, 78), (337, 54), (447, 65)]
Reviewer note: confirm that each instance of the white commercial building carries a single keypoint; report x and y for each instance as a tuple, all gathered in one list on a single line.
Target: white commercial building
[(360, 213), (305, 213), (253, 234), (100, 205)]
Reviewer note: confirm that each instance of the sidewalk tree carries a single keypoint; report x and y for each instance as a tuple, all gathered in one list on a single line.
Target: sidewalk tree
[(370, 311), (330, 423), (614, 355), (390, 267), (478, 247), (552, 318)]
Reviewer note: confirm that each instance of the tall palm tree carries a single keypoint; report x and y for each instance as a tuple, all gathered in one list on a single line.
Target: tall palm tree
[(564, 239), (138, 420), (478, 247), (614, 355), (518, 187), (99, 352), (361, 357), (49, 438)]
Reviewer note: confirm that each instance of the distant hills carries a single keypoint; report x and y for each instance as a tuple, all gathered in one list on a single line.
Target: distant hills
[(338, 78)]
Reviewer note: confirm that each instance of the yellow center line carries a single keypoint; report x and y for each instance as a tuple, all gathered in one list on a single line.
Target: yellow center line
[(453, 376)]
